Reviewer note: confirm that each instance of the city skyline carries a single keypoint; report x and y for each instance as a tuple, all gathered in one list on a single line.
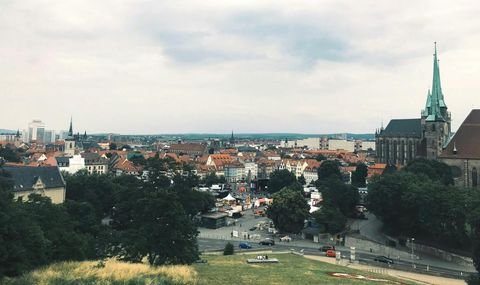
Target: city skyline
[(171, 68)]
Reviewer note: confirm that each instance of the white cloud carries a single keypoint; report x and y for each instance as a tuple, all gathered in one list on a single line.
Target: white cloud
[(214, 66)]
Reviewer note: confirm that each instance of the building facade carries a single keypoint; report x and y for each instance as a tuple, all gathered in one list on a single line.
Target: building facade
[(463, 152)]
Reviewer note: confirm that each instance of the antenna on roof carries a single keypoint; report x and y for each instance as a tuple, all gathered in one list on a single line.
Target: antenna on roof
[(454, 148)]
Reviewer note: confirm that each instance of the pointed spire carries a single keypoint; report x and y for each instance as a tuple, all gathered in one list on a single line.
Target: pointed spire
[(17, 135), (436, 97), (70, 130)]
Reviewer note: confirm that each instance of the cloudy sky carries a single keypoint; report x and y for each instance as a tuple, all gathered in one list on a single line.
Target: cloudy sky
[(248, 66)]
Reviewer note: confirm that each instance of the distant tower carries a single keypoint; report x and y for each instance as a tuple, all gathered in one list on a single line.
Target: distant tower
[(232, 140), (436, 120), (70, 141)]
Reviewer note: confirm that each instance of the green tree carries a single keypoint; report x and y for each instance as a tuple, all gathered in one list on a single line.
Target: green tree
[(22, 243), (340, 195), (331, 218), (229, 249), (434, 169), (9, 154), (212, 178), (302, 180), (359, 176), (280, 179), (155, 226), (289, 210), (329, 169), (320, 157)]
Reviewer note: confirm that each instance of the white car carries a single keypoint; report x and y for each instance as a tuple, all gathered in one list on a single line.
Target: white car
[(286, 238)]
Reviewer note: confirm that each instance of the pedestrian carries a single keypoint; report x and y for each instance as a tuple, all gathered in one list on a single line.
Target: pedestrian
[(231, 234)]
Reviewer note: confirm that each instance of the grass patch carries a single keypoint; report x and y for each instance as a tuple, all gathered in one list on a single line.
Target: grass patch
[(292, 269), (110, 273), (233, 269)]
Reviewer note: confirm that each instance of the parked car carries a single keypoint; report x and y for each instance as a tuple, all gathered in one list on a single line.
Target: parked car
[(327, 247), (245, 245), (383, 259), (286, 238), (267, 242), (253, 228), (331, 253)]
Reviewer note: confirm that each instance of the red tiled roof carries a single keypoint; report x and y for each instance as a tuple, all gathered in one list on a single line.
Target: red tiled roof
[(466, 140)]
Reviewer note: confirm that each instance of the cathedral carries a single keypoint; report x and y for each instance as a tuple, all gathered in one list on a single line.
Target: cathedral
[(406, 139)]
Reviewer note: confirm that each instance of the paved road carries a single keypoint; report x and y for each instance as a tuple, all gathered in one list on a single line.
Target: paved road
[(362, 257)]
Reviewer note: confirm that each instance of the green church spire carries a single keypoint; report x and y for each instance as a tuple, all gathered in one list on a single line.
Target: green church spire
[(436, 98)]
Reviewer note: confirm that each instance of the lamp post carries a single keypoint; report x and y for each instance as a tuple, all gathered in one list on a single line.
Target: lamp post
[(413, 257)]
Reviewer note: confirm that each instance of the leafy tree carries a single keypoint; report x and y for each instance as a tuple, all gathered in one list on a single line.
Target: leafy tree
[(229, 249), (280, 179), (9, 154), (411, 204), (474, 221), (154, 225), (329, 169), (97, 190), (435, 170), (302, 180), (112, 146), (57, 226), (330, 217), (359, 175), (289, 210), (22, 244), (340, 195), (212, 178), (320, 157)]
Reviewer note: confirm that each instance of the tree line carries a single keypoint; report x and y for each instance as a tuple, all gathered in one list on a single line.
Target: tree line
[(103, 216)]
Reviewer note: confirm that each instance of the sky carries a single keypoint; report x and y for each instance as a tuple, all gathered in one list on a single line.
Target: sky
[(213, 66)]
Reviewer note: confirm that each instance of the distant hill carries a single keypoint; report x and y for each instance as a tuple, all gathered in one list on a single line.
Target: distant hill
[(4, 131)]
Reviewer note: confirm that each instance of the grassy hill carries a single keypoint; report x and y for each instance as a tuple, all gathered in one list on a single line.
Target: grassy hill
[(291, 269)]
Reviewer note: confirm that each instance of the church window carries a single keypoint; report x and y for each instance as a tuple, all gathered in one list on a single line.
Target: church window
[(474, 177), (433, 128)]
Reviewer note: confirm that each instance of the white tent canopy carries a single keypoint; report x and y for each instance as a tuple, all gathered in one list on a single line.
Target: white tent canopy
[(229, 198)]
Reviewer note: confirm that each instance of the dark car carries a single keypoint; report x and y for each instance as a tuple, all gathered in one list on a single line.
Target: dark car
[(327, 247), (383, 259), (267, 242), (253, 228)]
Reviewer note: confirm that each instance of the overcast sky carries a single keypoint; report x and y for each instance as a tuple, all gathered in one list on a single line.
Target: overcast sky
[(248, 66)]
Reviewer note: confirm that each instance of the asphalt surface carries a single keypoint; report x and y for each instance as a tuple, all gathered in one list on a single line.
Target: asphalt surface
[(363, 258)]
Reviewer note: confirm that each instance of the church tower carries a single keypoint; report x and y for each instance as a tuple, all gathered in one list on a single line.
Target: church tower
[(436, 120), (70, 141)]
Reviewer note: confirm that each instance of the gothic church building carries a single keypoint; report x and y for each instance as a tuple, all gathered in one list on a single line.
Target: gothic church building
[(406, 139)]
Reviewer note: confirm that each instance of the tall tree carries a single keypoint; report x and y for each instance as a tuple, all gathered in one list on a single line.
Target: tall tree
[(289, 210), (280, 179), (359, 176), (329, 169), (331, 218), (434, 169)]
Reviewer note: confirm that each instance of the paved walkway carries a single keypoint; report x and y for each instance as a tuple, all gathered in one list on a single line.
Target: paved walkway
[(408, 276)]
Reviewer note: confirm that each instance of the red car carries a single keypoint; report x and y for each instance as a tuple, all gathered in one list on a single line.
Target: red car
[(331, 253)]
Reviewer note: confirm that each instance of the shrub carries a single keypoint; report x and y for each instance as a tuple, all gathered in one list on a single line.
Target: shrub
[(228, 249)]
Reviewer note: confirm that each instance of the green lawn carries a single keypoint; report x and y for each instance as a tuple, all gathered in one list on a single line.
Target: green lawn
[(230, 270), (292, 269)]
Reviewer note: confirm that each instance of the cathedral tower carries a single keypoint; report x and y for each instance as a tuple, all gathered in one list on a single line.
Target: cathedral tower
[(436, 120)]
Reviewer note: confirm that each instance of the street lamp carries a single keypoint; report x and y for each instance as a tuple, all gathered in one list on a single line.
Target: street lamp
[(413, 258)]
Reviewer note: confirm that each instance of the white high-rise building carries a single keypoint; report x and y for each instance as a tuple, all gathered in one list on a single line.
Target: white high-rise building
[(36, 131)]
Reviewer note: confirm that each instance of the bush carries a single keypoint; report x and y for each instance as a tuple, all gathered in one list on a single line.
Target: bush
[(228, 249)]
